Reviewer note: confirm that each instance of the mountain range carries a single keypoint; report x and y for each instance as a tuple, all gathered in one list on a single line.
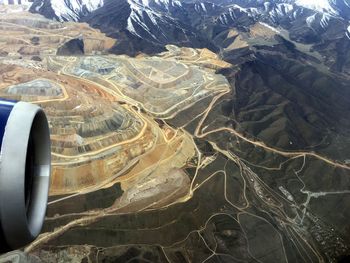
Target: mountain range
[(321, 27)]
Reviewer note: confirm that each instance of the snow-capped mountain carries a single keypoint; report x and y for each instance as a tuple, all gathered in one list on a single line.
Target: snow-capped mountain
[(76, 9), (145, 14), (149, 25), (65, 10)]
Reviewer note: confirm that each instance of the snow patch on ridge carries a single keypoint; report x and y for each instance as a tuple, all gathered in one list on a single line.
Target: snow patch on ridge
[(140, 9), (348, 32), (324, 22), (310, 20), (72, 9), (320, 6)]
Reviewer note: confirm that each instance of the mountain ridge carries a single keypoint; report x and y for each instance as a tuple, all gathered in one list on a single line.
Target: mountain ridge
[(193, 23)]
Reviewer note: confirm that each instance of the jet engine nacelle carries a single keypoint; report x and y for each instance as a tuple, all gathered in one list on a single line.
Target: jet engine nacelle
[(25, 164)]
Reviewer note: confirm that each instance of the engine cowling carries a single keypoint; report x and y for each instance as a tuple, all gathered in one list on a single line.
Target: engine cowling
[(25, 166)]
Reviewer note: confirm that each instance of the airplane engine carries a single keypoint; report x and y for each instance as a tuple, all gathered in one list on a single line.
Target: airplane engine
[(25, 166)]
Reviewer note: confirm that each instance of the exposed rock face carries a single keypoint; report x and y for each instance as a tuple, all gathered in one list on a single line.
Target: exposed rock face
[(72, 47)]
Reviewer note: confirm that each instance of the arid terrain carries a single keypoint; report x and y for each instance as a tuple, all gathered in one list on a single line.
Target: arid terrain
[(181, 156)]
